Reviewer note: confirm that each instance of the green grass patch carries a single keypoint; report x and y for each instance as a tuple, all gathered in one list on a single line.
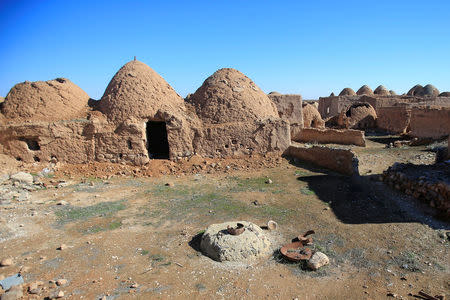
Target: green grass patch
[(71, 214), (144, 252), (99, 228), (307, 191)]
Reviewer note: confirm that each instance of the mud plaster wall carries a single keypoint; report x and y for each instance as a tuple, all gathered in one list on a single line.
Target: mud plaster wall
[(331, 136), (234, 139), (290, 109), (340, 160), (394, 119), (83, 141), (430, 122), (65, 141)]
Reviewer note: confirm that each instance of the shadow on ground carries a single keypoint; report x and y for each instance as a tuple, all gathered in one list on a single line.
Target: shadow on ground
[(362, 200)]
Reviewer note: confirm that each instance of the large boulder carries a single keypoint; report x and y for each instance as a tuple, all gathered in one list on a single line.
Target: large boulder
[(219, 245)]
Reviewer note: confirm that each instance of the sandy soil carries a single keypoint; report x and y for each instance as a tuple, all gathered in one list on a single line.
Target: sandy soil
[(132, 236)]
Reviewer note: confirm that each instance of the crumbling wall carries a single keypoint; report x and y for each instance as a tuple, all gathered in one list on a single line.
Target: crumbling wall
[(64, 141), (331, 136), (340, 160), (394, 119), (290, 109), (428, 183), (242, 138), (432, 122)]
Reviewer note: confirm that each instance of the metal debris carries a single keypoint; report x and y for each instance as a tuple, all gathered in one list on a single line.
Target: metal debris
[(297, 251), (236, 230)]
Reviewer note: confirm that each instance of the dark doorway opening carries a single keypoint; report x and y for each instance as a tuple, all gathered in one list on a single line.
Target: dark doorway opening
[(157, 143)]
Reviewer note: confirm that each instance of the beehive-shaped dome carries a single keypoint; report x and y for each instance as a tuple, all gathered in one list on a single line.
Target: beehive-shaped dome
[(392, 93), (444, 94), (347, 92), (415, 90), (359, 115), (230, 96), (311, 117), (364, 90), (381, 91), (429, 91), (138, 91), (53, 100)]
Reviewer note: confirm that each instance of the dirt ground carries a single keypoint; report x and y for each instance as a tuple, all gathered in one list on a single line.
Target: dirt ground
[(134, 233)]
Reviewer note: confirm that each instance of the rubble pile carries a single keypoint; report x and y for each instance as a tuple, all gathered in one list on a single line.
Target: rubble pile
[(429, 183)]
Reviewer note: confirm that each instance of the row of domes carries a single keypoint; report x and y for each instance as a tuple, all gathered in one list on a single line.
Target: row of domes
[(138, 91), (418, 90)]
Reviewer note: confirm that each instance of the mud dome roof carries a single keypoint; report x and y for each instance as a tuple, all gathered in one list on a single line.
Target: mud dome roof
[(53, 100), (347, 92), (415, 90), (429, 90), (230, 96), (444, 94), (364, 90), (382, 91), (138, 91)]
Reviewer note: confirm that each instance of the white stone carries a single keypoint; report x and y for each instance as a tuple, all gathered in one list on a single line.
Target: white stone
[(22, 177), (218, 244), (318, 260)]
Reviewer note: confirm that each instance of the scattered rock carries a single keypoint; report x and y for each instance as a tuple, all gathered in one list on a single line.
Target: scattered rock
[(62, 247), (14, 293), (60, 294), (6, 262), (134, 285), (269, 181), (171, 184), (318, 260), (22, 177), (272, 225), (61, 281), (62, 202)]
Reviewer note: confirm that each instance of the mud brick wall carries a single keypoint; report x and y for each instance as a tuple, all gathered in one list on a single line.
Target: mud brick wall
[(340, 160), (242, 138), (332, 136), (430, 122), (394, 119)]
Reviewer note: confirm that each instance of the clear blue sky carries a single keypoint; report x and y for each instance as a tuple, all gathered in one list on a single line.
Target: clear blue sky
[(307, 47)]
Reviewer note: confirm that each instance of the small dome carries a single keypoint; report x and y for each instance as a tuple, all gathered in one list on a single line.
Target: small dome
[(230, 96), (364, 90), (382, 91), (332, 94), (138, 91), (429, 91), (347, 92), (311, 117), (53, 100), (415, 90), (393, 93), (274, 93), (444, 94), (359, 115)]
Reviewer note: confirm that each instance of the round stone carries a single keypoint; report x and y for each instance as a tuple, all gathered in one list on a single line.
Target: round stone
[(218, 244)]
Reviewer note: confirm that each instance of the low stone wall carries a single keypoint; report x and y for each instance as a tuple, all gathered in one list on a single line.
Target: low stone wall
[(394, 119), (243, 138), (429, 183), (430, 122), (340, 160), (331, 136)]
